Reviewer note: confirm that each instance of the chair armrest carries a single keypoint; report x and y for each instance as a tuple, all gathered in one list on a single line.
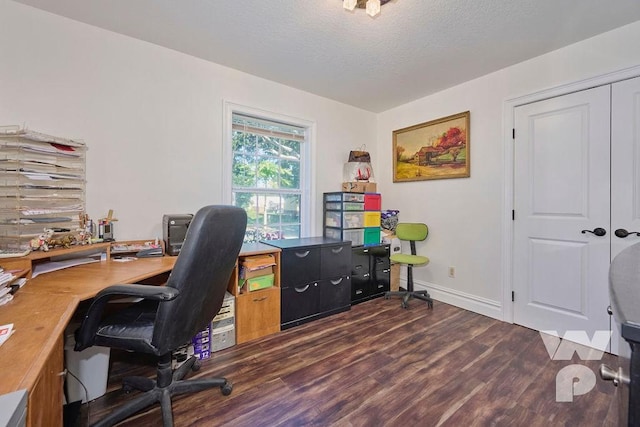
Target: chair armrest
[(85, 335), (150, 292)]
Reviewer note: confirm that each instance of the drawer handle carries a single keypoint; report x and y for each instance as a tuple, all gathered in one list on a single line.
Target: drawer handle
[(301, 289), (337, 250), (336, 282), (386, 270), (366, 275), (302, 254), (358, 292), (259, 299)]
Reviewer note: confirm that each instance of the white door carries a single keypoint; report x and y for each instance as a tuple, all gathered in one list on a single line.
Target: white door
[(625, 172), (561, 200), (625, 157)]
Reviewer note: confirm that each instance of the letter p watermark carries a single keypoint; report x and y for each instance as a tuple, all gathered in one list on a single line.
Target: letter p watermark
[(574, 379)]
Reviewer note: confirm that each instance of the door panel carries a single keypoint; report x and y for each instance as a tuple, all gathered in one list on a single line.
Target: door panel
[(625, 154), (561, 187), (625, 170)]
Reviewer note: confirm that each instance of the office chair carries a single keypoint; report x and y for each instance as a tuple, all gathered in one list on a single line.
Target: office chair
[(168, 316), (411, 232)]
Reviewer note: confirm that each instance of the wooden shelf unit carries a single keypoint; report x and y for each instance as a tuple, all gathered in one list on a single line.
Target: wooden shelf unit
[(257, 312)]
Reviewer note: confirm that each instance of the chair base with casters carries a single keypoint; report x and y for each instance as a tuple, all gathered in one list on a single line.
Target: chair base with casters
[(168, 383), (409, 293), (411, 232)]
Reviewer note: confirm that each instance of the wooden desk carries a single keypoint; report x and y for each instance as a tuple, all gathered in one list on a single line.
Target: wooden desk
[(32, 358)]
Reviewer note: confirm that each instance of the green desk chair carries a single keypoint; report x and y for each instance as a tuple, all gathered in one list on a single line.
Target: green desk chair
[(411, 232)]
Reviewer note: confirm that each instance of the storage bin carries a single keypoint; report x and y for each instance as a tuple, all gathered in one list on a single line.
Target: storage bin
[(223, 338), (372, 235), (372, 219), (356, 236), (260, 282), (343, 197), (372, 202), (89, 369)]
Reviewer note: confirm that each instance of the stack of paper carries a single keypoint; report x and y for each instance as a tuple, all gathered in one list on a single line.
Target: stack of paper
[(5, 332)]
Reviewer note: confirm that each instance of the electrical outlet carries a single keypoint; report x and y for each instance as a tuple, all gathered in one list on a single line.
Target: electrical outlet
[(452, 271)]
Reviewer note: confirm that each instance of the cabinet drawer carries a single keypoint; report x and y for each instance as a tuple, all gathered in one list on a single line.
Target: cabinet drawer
[(257, 314), (335, 261), (299, 302), (299, 266), (334, 293)]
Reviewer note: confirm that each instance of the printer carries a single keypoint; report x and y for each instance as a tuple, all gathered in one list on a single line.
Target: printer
[(174, 230)]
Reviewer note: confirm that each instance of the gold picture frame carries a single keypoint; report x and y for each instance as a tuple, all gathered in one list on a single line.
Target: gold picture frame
[(438, 149)]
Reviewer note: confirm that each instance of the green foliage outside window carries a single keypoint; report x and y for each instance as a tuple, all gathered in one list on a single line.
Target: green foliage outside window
[(266, 178)]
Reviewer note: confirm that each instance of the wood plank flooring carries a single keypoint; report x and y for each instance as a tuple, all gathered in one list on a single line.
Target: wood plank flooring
[(380, 365)]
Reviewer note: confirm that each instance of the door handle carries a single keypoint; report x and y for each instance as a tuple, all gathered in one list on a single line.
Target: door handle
[(617, 377), (622, 233), (597, 231)]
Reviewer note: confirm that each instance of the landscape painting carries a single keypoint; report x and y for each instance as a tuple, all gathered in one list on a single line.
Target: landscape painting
[(437, 149)]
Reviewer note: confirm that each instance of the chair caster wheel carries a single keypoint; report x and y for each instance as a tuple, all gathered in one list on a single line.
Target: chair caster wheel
[(127, 388), (405, 305), (196, 366), (226, 389)]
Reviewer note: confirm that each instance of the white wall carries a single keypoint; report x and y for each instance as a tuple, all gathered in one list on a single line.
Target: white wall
[(465, 216), (151, 117)]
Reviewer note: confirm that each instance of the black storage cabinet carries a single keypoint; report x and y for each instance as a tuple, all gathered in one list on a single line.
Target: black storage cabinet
[(314, 278), (370, 272)]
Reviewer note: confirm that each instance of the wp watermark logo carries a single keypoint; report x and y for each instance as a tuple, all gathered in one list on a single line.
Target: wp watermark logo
[(575, 379)]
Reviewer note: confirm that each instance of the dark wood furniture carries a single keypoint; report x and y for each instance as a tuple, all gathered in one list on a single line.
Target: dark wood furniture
[(315, 279), (370, 272)]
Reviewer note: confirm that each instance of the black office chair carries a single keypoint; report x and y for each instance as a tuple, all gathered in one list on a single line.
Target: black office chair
[(411, 232), (169, 316)]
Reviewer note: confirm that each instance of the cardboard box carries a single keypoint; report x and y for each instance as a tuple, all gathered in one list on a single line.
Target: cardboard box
[(395, 276), (359, 187), (245, 273)]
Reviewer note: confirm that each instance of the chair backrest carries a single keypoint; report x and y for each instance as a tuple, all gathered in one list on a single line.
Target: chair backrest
[(415, 231), (201, 274)]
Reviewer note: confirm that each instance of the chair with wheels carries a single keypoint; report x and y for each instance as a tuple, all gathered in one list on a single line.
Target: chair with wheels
[(167, 317), (411, 232)]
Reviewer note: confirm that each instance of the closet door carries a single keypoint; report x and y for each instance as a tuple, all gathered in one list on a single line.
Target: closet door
[(561, 247), (625, 161)]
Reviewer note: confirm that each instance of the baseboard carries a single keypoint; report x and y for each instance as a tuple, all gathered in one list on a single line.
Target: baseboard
[(484, 306)]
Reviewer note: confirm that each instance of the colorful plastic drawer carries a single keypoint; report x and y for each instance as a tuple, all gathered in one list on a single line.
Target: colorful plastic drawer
[(356, 236), (344, 197), (372, 202), (372, 235), (372, 219)]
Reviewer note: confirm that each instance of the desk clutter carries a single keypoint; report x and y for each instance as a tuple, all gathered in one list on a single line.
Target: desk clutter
[(10, 282), (256, 272), (216, 336)]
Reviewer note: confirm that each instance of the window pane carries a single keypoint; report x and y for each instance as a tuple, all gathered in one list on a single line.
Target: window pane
[(244, 170), (290, 149), (290, 232), (268, 173), (290, 209), (289, 174), (243, 142)]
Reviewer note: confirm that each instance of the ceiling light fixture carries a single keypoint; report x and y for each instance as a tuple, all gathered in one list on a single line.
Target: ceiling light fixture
[(372, 6)]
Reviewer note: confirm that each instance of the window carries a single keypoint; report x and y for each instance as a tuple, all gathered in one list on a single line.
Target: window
[(267, 176)]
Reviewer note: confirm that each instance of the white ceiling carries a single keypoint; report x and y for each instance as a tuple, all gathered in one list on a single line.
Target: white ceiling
[(412, 49)]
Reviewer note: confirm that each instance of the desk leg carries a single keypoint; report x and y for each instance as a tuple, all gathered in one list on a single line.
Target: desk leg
[(46, 398)]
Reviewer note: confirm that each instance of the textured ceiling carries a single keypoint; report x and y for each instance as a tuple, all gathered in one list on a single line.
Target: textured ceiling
[(412, 49)]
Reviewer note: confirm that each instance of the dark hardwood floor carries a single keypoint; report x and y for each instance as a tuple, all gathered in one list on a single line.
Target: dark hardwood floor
[(379, 364)]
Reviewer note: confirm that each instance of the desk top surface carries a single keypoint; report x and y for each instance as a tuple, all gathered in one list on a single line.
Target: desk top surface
[(41, 310)]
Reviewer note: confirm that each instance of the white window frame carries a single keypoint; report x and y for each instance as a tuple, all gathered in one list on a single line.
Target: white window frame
[(307, 153)]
